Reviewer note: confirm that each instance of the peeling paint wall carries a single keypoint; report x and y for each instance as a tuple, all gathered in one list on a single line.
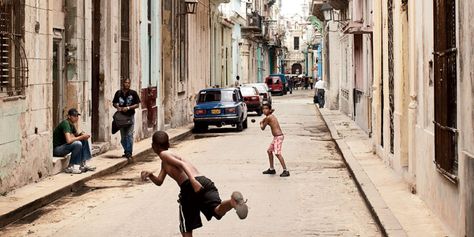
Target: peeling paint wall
[(26, 145), (181, 84), (27, 123)]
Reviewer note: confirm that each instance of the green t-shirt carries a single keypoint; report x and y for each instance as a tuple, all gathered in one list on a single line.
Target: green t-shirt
[(59, 134)]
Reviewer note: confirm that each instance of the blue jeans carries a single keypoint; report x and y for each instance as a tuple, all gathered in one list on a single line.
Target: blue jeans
[(80, 150), (127, 139)]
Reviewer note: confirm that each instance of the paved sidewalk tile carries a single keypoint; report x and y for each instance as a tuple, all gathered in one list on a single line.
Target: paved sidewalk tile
[(410, 211)]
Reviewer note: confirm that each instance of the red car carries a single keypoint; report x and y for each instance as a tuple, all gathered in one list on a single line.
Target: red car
[(276, 84), (252, 99)]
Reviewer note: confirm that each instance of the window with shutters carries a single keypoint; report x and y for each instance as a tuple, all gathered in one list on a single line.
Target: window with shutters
[(124, 39), (445, 93), (13, 62)]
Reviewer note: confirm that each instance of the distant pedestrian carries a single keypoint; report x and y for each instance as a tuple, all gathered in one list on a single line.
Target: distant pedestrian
[(198, 193), (67, 140), (320, 91), (126, 101), (311, 82), (291, 82), (276, 145), (306, 83), (237, 81)]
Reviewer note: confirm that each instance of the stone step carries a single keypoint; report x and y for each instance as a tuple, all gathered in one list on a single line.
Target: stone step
[(61, 163)]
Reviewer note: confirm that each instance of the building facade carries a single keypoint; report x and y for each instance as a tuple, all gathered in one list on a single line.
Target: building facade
[(414, 92), (422, 107)]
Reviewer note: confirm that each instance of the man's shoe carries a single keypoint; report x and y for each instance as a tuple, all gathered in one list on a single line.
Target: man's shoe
[(72, 170), (269, 171), (285, 173), (241, 208), (85, 168), (128, 156)]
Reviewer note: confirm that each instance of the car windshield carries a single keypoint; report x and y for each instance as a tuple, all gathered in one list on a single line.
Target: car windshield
[(273, 80), (247, 91), (213, 96)]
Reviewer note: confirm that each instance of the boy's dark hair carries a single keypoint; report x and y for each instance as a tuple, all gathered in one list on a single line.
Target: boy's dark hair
[(269, 106), (161, 140)]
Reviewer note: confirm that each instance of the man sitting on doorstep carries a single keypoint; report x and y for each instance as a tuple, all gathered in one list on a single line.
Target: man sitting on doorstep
[(67, 140)]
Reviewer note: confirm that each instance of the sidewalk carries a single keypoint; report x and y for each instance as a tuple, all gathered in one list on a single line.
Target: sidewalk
[(27, 199), (394, 207)]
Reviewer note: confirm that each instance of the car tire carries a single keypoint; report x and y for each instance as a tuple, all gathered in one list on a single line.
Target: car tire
[(245, 124)]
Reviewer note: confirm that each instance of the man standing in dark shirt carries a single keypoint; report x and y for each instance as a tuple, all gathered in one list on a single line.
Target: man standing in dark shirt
[(126, 101)]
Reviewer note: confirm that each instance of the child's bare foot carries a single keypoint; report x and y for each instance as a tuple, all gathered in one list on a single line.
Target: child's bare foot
[(238, 203)]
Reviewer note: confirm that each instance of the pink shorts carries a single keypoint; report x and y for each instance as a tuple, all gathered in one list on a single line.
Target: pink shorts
[(276, 144)]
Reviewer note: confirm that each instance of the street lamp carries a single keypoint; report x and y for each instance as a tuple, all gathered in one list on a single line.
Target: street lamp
[(191, 6), (327, 10)]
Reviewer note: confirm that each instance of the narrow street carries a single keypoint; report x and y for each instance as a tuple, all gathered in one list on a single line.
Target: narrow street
[(318, 199)]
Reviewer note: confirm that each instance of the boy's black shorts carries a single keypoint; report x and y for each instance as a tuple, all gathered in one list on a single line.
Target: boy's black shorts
[(191, 203)]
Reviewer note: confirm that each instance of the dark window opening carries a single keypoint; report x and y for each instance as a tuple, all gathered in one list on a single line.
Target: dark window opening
[(296, 43), (391, 75), (124, 39), (445, 83), (182, 42)]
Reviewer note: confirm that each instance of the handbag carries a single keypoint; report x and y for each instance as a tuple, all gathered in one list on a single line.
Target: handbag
[(122, 120)]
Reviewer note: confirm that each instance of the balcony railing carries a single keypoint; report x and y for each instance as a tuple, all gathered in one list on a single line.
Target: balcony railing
[(254, 23)]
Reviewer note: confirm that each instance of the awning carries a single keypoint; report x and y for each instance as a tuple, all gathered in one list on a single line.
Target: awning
[(316, 9)]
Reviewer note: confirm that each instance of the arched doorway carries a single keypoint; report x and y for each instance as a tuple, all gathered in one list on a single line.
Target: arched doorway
[(296, 68)]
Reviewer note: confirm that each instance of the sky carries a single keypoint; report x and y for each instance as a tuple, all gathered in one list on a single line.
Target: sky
[(290, 7)]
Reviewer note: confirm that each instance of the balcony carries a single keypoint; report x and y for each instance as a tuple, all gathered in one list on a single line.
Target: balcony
[(254, 24), (357, 27)]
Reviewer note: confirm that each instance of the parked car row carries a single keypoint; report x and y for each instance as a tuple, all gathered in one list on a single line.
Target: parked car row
[(229, 106)]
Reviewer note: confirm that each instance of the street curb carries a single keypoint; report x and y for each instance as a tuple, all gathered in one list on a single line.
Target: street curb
[(386, 220), (24, 210)]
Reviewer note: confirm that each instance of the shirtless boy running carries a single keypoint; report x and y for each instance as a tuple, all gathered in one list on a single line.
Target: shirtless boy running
[(198, 193), (275, 146)]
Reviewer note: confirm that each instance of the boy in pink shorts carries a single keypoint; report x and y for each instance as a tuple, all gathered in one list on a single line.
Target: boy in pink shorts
[(275, 146)]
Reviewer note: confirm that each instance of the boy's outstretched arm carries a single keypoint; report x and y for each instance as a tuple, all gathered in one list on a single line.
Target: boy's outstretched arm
[(158, 180)]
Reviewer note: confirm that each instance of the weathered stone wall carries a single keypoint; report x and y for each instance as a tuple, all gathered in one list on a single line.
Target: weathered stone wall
[(26, 145)]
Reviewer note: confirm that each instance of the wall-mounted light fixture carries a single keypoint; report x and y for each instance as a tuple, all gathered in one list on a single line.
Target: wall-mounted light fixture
[(327, 10)]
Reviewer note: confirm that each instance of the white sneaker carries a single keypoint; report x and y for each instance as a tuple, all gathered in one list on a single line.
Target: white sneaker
[(85, 167), (241, 208), (72, 170)]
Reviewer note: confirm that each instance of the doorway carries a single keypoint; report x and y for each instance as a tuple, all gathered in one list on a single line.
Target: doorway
[(58, 77), (95, 115)]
